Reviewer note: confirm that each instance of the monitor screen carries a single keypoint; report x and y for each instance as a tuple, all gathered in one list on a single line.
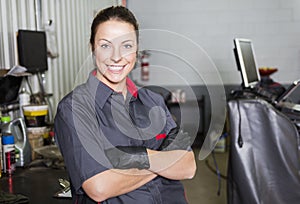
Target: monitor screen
[(245, 59), (32, 50)]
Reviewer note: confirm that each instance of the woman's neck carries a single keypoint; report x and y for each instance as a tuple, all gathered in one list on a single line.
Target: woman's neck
[(120, 87)]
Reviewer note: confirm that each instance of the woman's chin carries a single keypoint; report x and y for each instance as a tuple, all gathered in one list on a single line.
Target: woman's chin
[(115, 79)]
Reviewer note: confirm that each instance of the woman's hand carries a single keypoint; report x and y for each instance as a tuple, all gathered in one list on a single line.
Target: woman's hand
[(174, 164), (127, 157)]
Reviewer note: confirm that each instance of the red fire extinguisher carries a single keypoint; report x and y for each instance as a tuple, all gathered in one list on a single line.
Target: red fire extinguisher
[(145, 66)]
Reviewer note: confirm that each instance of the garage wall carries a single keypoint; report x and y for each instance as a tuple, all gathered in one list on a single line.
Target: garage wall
[(273, 26)]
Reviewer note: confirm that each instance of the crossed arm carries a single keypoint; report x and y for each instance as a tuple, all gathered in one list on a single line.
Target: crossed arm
[(174, 164), (171, 164)]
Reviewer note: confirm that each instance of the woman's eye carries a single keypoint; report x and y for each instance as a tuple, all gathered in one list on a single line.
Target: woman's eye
[(105, 46), (128, 46)]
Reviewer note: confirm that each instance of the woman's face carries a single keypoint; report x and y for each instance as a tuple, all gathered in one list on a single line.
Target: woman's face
[(115, 52)]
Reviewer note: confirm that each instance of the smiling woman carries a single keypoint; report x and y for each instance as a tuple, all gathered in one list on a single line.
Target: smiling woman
[(120, 144), (115, 52)]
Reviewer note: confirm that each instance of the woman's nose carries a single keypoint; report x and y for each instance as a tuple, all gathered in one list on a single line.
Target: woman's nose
[(116, 55)]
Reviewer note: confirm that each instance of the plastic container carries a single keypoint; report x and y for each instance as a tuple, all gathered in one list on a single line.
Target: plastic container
[(8, 150), (17, 128), (5, 119), (36, 137), (24, 100), (35, 115)]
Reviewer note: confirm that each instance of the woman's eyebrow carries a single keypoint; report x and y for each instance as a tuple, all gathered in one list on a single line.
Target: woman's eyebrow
[(104, 40), (125, 41)]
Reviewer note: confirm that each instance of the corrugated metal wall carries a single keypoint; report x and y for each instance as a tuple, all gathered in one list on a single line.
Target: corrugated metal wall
[(71, 23)]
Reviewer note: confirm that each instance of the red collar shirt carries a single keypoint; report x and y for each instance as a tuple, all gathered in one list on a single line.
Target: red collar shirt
[(93, 118)]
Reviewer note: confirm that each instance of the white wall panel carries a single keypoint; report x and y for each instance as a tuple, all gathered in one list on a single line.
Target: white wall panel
[(5, 33), (22, 14), (31, 21)]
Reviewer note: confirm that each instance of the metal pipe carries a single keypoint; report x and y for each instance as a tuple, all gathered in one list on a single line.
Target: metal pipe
[(38, 14)]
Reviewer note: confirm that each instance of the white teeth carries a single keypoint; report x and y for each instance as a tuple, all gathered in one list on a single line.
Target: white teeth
[(115, 67)]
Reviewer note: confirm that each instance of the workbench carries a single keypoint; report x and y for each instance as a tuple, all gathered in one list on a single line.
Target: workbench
[(39, 184)]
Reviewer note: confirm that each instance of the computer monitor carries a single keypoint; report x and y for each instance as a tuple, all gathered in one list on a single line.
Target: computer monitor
[(32, 50), (245, 59)]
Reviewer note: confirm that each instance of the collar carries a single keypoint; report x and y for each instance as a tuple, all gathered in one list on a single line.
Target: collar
[(102, 92), (131, 87)]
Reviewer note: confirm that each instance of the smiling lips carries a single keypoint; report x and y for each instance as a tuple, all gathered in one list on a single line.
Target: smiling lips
[(116, 68)]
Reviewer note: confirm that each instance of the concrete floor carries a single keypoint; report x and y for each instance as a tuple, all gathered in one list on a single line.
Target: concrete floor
[(203, 188)]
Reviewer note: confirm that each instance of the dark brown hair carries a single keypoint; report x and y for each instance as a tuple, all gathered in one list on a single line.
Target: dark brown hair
[(119, 13)]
